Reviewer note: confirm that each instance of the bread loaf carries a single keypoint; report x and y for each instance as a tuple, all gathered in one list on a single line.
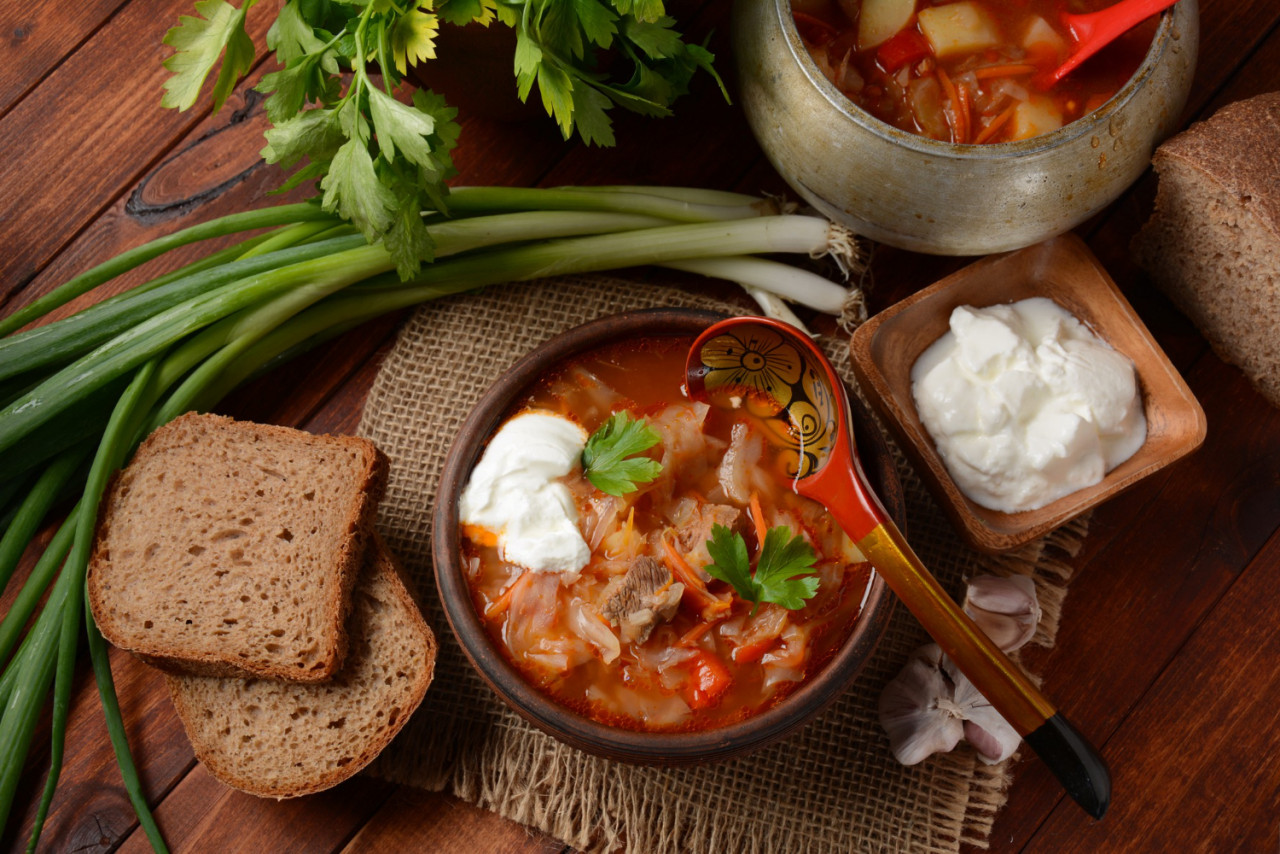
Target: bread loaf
[(1213, 244), (282, 739), (231, 549)]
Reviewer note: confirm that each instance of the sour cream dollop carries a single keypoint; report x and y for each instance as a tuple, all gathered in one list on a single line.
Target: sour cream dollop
[(1025, 404), (514, 493)]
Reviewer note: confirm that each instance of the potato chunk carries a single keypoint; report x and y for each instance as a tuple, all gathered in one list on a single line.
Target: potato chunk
[(881, 20), (1035, 116), (1041, 39), (959, 28)]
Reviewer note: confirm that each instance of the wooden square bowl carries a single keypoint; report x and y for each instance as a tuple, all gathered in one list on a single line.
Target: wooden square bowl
[(1064, 270)]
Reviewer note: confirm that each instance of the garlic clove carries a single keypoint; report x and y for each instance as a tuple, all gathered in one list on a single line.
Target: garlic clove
[(989, 733), (916, 709), (1006, 609)]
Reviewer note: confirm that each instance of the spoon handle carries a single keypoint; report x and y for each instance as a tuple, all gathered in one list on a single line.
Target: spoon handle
[(1071, 758), (1095, 30)]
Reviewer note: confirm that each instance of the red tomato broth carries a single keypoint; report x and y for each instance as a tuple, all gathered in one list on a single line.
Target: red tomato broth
[(970, 97), (694, 672)]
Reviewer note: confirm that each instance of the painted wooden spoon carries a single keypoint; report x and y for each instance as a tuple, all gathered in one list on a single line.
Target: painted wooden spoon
[(782, 376), (1095, 30)]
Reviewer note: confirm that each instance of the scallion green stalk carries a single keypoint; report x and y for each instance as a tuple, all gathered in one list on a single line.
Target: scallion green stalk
[(125, 261), (185, 339), (32, 513), (118, 439)]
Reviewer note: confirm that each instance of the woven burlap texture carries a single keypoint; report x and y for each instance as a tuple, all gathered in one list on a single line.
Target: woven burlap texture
[(833, 786)]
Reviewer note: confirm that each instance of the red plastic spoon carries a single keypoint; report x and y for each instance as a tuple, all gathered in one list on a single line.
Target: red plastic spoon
[(1096, 30), (779, 374)]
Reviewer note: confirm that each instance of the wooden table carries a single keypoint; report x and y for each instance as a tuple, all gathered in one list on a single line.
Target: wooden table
[(1167, 653)]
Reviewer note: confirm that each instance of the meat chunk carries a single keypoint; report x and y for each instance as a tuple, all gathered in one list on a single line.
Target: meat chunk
[(646, 595)]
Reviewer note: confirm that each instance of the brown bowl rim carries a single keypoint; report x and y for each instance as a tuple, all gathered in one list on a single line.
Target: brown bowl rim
[(665, 748), (1095, 292)]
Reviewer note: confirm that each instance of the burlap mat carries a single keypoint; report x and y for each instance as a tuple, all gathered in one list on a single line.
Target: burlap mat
[(834, 786)]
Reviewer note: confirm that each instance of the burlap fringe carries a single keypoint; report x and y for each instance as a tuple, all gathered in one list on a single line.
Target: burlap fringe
[(465, 741)]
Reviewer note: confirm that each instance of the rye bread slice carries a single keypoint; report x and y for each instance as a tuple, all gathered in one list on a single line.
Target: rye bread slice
[(285, 739), (227, 548), (1213, 243)]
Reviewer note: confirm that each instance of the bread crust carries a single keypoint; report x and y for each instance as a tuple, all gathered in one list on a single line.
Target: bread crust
[(214, 661), (1213, 242), (182, 691), (1236, 148)]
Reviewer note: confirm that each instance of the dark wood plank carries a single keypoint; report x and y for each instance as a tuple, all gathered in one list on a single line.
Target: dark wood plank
[(38, 35), (1145, 530), (1202, 744), (212, 170), (90, 810), (201, 814), (1229, 33), (1155, 564), (84, 117), (413, 820), (1150, 561)]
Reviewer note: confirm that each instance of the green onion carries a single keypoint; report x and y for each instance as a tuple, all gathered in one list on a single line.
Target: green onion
[(94, 384), (126, 261)]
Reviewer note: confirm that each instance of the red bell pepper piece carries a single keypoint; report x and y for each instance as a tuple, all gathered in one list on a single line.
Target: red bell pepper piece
[(906, 47), (708, 680)]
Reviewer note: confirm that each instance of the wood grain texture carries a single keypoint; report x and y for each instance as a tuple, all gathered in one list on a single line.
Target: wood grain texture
[(1157, 561), (201, 814), (38, 35), (212, 169), (1202, 743), (413, 820), (90, 809), (98, 125), (1170, 618)]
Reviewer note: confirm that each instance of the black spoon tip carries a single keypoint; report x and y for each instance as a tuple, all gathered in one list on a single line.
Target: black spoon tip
[(1074, 761)]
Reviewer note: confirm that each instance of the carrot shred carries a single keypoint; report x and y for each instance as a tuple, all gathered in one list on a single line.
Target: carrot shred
[(963, 111), (690, 637), (693, 584), (1015, 70), (998, 122), (709, 680), (954, 98), (503, 602), (753, 652), (757, 519)]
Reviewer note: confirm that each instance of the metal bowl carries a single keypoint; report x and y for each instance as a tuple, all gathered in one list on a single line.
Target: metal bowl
[(939, 197)]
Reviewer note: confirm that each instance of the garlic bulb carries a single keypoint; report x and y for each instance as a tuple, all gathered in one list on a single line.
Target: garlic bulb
[(916, 709), (931, 705), (1006, 609), (989, 733)]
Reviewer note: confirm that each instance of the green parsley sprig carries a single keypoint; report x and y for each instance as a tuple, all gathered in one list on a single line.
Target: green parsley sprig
[(609, 458), (782, 569), (382, 163)]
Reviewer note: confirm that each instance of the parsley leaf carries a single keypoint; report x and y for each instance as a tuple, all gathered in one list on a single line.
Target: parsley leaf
[(782, 571), (292, 38), (352, 189), (609, 460), (782, 559), (336, 100), (413, 38), (197, 44)]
